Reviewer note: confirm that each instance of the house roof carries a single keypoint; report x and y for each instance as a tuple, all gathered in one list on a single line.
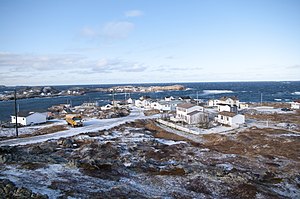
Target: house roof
[(194, 112), (229, 114), (186, 105), (26, 114), (232, 97), (221, 104), (185, 97)]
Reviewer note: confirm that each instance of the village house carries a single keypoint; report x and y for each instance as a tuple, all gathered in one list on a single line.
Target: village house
[(232, 101), (295, 104), (107, 107), (165, 105), (26, 119), (130, 101), (143, 102), (169, 98), (231, 119), (212, 102), (243, 106), (185, 98), (227, 108), (190, 113)]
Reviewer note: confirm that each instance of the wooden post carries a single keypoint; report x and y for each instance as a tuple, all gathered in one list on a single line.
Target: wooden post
[(16, 114)]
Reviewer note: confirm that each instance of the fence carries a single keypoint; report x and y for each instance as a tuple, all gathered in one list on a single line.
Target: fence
[(178, 127)]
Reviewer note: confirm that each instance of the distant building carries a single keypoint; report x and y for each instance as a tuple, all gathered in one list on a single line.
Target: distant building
[(230, 101), (227, 108), (26, 119), (130, 101), (143, 103), (185, 98), (190, 113), (169, 98), (243, 106), (295, 104), (231, 119), (213, 102), (107, 107), (165, 105)]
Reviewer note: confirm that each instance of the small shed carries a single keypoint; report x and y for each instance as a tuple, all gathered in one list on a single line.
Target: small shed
[(31, 118), (231, 119)]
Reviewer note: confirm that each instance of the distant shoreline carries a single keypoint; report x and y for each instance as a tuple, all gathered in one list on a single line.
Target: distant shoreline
[(48, 91)]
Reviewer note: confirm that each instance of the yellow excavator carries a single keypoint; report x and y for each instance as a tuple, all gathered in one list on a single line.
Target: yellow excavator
[(74, 120)]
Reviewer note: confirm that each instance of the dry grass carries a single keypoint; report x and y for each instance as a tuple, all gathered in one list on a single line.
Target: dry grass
[(161, 133), (287, 118), (272, 104), (257, 142), (151, 112)]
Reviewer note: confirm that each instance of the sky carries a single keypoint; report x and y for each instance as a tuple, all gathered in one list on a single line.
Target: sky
[(65, 42)]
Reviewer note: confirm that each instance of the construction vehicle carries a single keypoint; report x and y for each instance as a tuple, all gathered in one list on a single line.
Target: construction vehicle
[(74, 120)]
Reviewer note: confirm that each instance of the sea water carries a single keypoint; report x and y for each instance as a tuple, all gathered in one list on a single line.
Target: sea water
[(246, 92)]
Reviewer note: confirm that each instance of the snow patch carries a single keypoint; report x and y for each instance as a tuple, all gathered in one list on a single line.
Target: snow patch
[(169, 142)]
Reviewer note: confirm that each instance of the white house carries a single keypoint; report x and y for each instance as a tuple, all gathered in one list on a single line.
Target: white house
[(185, 98), (243, 105), (29, 119), (107, 107), (231, 119), (142, 103), (165, 105), (230, 101), (190, 113), (213, 102), (130, 101), (227, 108), (169, 98), (295, 104)]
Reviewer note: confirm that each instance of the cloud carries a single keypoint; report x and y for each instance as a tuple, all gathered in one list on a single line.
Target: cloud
[(117, 65), (29, 62), (88, 32), (296, 66), (117, 29), (133, 13), (111, 30), (167, 68)]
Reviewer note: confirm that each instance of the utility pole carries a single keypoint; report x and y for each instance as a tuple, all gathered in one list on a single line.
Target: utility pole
[(261, 98), (197, 99), (16, 114)]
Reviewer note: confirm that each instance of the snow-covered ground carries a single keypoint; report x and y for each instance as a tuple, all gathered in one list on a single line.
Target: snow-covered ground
[(10, 132), (270, 110), (92, 125)]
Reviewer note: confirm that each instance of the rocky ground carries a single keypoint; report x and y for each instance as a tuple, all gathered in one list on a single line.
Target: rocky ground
[(141, 160)]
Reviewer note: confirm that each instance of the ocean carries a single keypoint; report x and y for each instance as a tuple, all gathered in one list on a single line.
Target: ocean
[(285, 91)]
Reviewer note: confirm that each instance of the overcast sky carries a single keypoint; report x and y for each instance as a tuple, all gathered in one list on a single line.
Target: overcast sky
[(58, 42)]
